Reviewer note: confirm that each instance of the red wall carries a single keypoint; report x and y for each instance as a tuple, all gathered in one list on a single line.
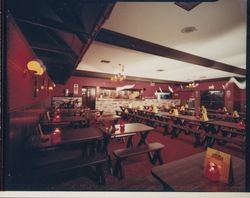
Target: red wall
[(20, 83), (86, 81), (232, 93), (236, 94)]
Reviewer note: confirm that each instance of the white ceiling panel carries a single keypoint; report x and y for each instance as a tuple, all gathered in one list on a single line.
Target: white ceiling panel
[(139, 64), (220, 36)]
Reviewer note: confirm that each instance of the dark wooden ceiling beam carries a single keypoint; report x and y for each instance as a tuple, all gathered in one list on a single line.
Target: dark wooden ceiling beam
[(66, 12), (122, 40), (51, 60), (60, 41), (54, 50), (81, 73), (58, 57), (50, 24), (103, 17)]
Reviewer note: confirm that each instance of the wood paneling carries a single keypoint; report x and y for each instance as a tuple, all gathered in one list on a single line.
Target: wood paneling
[(50, 25)]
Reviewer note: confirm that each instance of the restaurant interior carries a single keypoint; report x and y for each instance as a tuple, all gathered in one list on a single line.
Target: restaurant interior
[(125, 96)]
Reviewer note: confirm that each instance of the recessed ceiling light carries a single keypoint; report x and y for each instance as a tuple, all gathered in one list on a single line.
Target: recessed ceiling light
[(202, 76), (160, 70), (105, 61), (189, 29)]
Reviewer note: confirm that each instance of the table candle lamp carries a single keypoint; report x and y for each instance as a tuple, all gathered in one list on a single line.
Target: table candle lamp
[(122, 126), (56, 130), (56, 135), (212, 171)]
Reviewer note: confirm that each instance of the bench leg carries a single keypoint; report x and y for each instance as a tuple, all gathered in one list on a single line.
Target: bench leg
[(151, 157), (174, 133), (221, 142), (118, 169), (159, 157), (197, 139), (156, 156), (110, 167), (209, 141), (100, 174), (166, 132)]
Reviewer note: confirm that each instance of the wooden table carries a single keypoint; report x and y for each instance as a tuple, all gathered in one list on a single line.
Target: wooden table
[(219, 129), (130, 128), (227, 124), (65, 120), (68, 137), (109, 118), (190, 123), (73, 149), (187, 175), (211, 128)]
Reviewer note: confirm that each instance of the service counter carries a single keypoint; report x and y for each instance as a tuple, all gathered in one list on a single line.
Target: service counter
[(112, 105)]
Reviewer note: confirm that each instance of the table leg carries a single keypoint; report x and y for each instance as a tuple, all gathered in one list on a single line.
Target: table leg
[(197, 139), (143, 138), (129, 142), (165, 186), (166, 132)]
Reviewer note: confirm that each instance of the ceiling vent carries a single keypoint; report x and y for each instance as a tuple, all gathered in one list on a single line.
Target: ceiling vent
[(105, 61), (189, 29), (160, 70)]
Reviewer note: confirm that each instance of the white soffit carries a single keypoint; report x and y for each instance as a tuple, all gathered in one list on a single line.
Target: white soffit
[(139, 64), (220, 36)]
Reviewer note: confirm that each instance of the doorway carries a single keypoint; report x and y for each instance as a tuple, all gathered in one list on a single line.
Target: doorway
[(88, 97)]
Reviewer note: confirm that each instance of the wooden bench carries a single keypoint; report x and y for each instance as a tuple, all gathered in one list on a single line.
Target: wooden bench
[(187, 130), (122, 136), (37, 173), (40, 165), (122, 154), (222, 140)]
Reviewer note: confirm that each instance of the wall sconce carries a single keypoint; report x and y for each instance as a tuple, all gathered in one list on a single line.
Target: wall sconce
[(36, 66), (50, 88), (211, 86)]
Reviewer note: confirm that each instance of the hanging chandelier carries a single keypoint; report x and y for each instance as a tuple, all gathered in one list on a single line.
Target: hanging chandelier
[(192, 85), (120, 76)]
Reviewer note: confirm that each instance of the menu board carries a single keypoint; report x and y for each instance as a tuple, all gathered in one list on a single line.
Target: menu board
[(218, 166)]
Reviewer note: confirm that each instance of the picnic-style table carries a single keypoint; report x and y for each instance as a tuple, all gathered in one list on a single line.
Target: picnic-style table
[(186, 175)]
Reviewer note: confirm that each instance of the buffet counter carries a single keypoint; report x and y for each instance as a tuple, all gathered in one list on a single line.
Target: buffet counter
[(112, 105)]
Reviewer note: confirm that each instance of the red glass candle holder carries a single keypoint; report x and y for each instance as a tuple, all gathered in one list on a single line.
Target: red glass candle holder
[(56, 132), (56, 135), (212, 171), (122, 126)]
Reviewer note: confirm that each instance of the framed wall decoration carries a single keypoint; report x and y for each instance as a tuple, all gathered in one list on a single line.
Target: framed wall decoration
[(75, 89)]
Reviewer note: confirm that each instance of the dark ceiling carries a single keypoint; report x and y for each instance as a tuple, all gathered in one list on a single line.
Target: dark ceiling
[(59, 31)]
